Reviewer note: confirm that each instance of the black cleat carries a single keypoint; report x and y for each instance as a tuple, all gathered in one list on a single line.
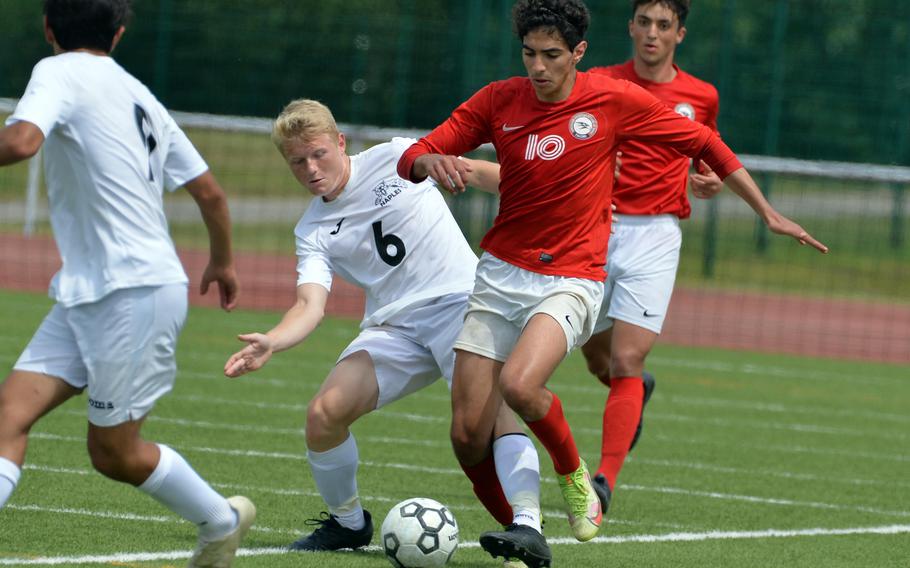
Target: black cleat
[(518, 542), (330, 535), (603, 493), (648, 380)]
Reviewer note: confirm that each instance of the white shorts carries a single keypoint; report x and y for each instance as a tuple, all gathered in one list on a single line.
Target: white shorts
[(642, 259), (121, 347), (505, 298), (413, 348)]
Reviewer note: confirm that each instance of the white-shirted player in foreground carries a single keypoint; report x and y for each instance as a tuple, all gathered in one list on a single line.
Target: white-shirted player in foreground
[(121, 296), (398, 241)]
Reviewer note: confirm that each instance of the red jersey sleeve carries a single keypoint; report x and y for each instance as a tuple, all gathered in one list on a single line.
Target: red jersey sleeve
[(644, 117), (467, 128)]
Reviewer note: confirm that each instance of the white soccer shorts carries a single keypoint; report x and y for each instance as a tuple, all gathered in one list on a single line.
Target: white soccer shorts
[(642, 259), (414, 348), (121, 347), (505, 298)]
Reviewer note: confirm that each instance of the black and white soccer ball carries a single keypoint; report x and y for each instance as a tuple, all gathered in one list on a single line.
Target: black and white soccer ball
[(419, 533)]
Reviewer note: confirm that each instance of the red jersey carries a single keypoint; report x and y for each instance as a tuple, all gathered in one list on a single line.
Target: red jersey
[(653, 179), (557, 163)]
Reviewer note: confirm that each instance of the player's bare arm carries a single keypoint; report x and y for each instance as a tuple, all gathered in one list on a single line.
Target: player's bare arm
[(449, 172), (745, 187), (483, 175), (704, 183), (19, 141), (212, 203), (296, 325)]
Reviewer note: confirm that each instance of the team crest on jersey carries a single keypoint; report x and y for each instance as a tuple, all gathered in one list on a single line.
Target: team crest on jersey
[(686, 110), (387, 190), (583, 126)]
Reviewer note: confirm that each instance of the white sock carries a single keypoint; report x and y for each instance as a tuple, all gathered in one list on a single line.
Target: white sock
[(518, 469), (9, 477), (335, 473), (178, 487)]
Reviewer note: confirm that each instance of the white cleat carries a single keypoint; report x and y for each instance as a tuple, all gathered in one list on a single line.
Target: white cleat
[(220, 553)]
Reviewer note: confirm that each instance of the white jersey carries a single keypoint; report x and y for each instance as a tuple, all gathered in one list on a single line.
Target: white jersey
[(110, 150), (395, 239)]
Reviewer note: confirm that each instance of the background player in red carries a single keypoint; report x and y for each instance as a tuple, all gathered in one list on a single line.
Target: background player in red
[(649, 198), (539, 282)]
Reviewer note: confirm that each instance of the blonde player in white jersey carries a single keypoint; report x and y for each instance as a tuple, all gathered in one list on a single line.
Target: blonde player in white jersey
[(398, 241), (110, 150)]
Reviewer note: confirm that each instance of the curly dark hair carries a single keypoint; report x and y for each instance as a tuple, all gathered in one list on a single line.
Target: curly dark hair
[(86, 24), (568, 17), (678, 7)]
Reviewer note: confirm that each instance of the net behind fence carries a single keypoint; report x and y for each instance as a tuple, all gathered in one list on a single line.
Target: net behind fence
[(737, 287)]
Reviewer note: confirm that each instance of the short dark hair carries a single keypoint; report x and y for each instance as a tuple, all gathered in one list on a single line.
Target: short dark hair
[(568, 17), (678, 7), (86, 24)]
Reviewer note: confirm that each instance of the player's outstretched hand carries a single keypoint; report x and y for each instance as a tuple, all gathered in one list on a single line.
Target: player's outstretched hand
[(705, 183), (783, 226), (256, 354), (448, 171), (228, 287)]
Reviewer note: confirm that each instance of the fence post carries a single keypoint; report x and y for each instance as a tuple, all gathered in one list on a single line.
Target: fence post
[(772, 133), (723, 90), (404, 56), (897, 215), (163, 47), (470, 45)]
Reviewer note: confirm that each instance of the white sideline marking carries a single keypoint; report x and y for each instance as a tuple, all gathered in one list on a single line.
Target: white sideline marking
[(763, 472), (252, 489), (458, 472), (765, 500), (671, 537)]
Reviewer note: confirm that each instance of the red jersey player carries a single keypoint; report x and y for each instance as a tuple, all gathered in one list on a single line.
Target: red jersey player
[(539, 282), (649, 198)]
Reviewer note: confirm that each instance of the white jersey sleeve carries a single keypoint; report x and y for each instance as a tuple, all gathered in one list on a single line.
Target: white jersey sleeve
[(314, 266), (46, 101), (182, 161)]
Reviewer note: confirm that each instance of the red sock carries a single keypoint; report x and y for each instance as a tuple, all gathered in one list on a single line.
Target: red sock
[(553, 432), (621, 415), (488, 489)]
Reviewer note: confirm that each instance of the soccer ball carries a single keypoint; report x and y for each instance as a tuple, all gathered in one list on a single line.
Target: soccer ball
[(419, 533)]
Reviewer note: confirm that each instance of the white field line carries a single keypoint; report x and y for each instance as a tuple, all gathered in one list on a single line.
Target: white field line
[(718, 422), (645, 538), (764, 472), (254, 490), (702, 442), (458, 472)]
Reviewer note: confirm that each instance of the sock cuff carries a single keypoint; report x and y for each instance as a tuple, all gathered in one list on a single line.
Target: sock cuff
[(624, 386), (339, 456), (10, 470), (511, 440), (165, 463)]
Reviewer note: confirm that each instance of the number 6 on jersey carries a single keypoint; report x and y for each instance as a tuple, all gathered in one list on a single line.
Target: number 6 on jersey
[(386, 242)]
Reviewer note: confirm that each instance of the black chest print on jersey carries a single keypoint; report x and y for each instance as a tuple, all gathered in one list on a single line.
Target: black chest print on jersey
[(387, 190)]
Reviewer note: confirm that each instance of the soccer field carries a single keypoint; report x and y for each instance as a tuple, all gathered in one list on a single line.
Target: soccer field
[(746, 460)]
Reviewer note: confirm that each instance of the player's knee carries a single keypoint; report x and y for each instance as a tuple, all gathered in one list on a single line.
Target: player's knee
[(323, 418), (598, 364), (518, 392), (627, 362), (107, 458), (468, 440)]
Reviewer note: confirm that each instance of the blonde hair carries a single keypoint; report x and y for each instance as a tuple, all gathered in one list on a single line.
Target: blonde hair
[(303, 119)]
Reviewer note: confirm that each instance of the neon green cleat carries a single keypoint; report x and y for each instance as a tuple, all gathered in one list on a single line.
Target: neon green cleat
[(582, 503)]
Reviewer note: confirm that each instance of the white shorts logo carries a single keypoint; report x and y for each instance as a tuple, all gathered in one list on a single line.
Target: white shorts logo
[(547, 148), (686, 110), (583, 126)]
